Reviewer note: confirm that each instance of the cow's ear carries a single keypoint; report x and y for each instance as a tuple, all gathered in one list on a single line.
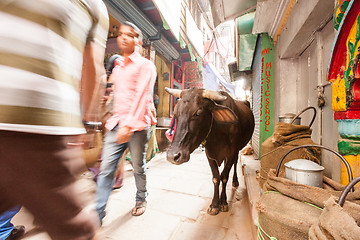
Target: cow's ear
[(223, 114)]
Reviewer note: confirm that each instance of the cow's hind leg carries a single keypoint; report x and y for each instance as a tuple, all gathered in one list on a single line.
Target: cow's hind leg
[(224, 207), (235, 182), (214, 207)]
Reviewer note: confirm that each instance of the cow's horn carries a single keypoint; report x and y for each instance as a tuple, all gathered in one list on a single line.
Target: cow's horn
[(214, 95), (174, 92)]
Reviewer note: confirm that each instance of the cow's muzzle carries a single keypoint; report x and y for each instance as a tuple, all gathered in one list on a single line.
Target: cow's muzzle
[(176, 157)]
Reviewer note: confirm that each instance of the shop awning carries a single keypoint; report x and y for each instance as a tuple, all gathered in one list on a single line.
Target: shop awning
[(126, 9), (246, 41), (223, 10)]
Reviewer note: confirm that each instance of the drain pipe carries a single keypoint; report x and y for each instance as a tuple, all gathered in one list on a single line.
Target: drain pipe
[(320, 85)]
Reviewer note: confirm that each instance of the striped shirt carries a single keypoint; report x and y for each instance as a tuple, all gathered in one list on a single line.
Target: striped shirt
[(41, 54)]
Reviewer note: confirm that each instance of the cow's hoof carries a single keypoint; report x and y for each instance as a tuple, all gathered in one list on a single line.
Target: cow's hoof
[(224, 207), (213, 210), (235, 184)]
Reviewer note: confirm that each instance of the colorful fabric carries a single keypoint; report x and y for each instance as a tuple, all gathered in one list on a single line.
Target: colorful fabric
[(41, 56), (6, 226), (152, 148), (170, 132)]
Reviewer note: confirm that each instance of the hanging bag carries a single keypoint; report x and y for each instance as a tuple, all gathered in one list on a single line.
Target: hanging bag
[(92, 143)]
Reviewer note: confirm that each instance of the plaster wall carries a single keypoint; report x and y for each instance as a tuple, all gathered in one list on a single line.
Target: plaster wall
[(305, 19), (296, 87), (286, 78)]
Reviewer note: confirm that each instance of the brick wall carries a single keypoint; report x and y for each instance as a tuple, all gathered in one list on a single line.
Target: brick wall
[(191, 79)]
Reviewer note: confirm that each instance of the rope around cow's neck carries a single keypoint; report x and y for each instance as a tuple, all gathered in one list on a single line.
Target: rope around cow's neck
[(204, 141)]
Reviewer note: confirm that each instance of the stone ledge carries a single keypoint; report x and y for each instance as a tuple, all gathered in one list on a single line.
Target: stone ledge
[(249, 167)]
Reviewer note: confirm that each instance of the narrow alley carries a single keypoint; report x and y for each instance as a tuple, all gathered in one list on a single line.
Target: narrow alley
[(178, 199)]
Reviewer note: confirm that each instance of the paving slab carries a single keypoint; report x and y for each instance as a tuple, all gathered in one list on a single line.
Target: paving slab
[(179, 196), (152, 225), (183, 205), (196, 231)]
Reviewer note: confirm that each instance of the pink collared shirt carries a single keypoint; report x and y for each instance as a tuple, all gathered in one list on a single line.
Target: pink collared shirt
[(133, 81)]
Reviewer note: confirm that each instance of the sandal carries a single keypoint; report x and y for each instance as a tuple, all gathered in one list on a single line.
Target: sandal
[(139, 208), (118, 183)]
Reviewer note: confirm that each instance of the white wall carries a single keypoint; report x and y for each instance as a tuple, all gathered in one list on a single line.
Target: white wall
[(296, 81), (286, 78)]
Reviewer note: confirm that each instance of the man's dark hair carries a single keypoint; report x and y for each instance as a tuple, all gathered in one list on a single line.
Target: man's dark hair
[(136, 29), (111, 64)]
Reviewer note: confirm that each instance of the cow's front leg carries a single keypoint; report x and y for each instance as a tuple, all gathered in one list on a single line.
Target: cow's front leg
[(224, 207), (214, 207), (235, 182)]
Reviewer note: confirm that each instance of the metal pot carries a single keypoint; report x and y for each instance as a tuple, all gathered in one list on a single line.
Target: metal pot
[(295, 119), (289, 117), (304, 172), (347, 165)]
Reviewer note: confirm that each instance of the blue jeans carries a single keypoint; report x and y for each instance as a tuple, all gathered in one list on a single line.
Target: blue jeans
[(5, 222), (111, 154)]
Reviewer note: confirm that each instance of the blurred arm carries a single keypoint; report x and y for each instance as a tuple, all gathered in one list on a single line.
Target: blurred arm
[(93, 80)]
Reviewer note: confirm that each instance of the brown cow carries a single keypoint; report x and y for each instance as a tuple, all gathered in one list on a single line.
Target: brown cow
[(216, 120)]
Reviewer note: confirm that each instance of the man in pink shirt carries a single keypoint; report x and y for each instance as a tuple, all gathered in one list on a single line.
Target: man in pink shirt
[(133, 77)]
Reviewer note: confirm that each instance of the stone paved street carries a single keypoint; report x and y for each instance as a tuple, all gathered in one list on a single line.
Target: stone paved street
[(178, 199)]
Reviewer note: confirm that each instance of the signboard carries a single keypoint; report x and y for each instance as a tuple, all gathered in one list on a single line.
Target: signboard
[(267, 88), (170, 10)]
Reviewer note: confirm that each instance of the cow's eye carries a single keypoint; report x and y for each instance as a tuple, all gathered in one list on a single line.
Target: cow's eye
[(198, 112)]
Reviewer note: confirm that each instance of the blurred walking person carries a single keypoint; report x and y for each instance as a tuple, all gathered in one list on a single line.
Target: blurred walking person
[(133, 112), (51, 67)]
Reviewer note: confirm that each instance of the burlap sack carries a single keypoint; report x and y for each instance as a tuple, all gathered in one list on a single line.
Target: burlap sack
[(310, 194), (287, 209), (284, 218), (285, 137), (335, 223)]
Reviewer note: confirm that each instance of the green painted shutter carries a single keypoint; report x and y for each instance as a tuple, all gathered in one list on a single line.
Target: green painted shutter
[(267, 88)]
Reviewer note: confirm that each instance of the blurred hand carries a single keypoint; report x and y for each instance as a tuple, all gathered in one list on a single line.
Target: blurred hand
[(103, 100), (123, 135)]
